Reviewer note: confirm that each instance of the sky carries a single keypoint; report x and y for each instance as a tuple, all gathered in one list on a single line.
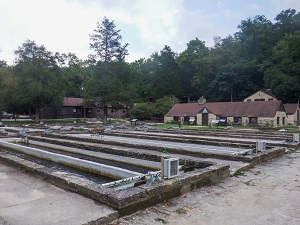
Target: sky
[(147, 25)]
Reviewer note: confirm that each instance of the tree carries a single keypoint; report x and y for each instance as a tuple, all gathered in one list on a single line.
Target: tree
[(195, 65), (142, 79), (108, 70), (257, 38), (282, 71), (2, 62), (287, 22), (232, 82), (163, 105), (165, 74), (106, 42), (142, 111), (74, 72), (37, 76)]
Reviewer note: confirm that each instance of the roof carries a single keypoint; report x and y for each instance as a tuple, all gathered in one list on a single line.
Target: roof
[(266, 91), (255, 108), (73, 102), (228, 109), (291, 108), (269, 92), (184, 109)]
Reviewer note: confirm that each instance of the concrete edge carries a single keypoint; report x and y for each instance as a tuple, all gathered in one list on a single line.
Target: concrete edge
[(125, 201)]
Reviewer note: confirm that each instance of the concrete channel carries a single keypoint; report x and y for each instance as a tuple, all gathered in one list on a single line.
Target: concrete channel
[(197, 169), (102, 169), (230, 139)]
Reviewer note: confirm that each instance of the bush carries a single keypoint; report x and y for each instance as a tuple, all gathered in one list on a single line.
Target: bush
[(142, 111), (163, 105)]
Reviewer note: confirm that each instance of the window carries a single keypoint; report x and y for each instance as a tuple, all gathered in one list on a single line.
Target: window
[(248, 100), (253, 120), (278, 120), (223, 121), (283, 120), (270, 99), (237, 120)]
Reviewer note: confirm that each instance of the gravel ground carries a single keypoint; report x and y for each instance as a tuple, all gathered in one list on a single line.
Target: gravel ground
[(266, 194)]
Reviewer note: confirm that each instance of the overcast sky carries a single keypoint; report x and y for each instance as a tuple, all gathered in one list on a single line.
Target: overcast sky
[(147, 25)]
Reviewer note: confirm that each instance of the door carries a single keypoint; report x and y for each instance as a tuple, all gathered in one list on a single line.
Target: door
[(204, 119)]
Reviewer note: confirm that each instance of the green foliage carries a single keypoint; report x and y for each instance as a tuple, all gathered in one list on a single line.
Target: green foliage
[(109, 83), (106, 42), (158, 109), (165, 74), (142, 111), (163, 105), (261, 54), (282, 72), (34, 82), (196, 66)]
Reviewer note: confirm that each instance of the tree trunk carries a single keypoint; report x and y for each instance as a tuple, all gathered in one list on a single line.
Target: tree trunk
[(37, 116), (104, 113)]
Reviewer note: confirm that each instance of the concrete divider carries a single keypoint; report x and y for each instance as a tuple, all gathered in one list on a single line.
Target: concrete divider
[(102, 169), (128, 200), (99, 155)]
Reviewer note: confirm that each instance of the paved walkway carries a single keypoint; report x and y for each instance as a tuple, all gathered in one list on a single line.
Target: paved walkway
[(27, 200), (268, 194)]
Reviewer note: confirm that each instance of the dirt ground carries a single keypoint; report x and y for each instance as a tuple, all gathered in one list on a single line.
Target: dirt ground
[(267, 194)]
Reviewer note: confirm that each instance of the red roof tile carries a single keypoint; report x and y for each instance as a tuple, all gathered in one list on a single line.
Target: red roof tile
[(184, 109), (290, 108), (228, 109), (73, 102)]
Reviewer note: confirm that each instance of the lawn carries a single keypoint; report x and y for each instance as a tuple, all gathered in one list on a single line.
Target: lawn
[(191, 127)]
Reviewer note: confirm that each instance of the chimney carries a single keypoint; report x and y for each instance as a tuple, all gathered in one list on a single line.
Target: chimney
[(201, 101)]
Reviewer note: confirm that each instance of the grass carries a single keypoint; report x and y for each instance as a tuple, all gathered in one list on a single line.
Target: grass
[(290, 151), (32, 122), (181, 211), (239, 173), (249, 183), (161, 220), (191, 127), (63, 121), (115, 121)]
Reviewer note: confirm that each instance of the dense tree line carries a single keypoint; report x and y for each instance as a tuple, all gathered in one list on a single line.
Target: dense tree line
[(260, 55)]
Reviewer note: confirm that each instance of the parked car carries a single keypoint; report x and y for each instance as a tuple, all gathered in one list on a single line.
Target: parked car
[(6, 115)]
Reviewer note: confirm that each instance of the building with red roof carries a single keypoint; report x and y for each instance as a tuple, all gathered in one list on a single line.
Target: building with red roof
[(259, 109), (292, 112)]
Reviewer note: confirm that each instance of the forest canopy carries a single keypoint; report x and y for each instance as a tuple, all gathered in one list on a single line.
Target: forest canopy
[(261, 55)]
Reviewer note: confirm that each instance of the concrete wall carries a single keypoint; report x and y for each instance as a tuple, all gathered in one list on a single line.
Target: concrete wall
[(131, 200), (210, 118), (111, 113), (292, 119), (272, 121), (168, 119), (262, 121), (281, 115), (260, 95)]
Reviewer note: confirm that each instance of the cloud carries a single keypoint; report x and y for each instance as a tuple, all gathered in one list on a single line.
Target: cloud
[(147, 25), (286, 4), (253, 6)]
